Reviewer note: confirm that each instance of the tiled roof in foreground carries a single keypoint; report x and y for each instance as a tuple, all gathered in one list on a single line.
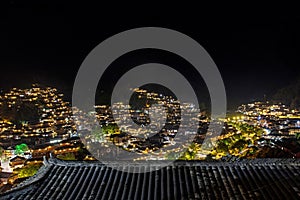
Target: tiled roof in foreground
[(256, 179)]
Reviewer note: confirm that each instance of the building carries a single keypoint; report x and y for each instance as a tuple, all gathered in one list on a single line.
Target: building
[(17, 162)]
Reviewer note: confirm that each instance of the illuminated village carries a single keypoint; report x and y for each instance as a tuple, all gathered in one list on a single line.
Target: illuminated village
[(37, 123), (34, 123), (260, 130)]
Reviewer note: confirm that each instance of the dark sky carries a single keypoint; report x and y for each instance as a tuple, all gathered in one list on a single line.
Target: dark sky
[(255, 53)]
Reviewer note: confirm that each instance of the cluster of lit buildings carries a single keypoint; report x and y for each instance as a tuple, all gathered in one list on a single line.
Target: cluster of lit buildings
[(280, 123), (262, 129), (52, 130), (53, 124), (274, 118), (151, 122)]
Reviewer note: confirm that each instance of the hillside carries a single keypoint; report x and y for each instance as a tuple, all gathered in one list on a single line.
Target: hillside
[(289, 95)]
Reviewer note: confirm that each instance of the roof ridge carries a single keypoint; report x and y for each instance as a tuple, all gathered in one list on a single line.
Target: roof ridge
[(256, 161)]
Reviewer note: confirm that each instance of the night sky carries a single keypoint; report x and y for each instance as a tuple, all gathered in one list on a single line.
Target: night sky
[(256, 54)]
